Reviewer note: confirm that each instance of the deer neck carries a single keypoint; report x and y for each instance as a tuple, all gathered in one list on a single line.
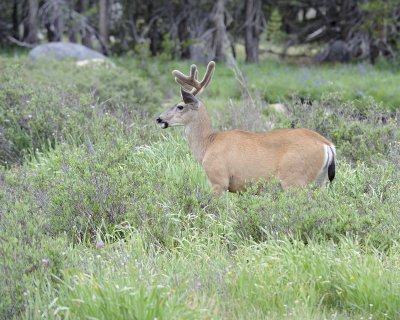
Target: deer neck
[(199, 133)]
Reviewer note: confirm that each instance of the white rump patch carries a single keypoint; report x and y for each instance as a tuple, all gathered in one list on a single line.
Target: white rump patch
[(329, 156)]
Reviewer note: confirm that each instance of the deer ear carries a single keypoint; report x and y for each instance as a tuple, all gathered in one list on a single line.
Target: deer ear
[(189, 98)]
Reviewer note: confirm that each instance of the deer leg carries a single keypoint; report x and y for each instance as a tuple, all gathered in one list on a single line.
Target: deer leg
[(219, 183), (218, 189), (218, 179)]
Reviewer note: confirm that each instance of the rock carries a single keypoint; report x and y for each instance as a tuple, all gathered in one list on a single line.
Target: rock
[(278, 108), (311, 14), (63, 50), (337, 51)]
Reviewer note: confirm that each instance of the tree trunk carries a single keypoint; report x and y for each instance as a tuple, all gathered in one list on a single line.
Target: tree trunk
[(72, 36), (219, 35), (252, 29), (15, 20), (86, 34), (155, 35), (87, 38), (58, 27), (55, 27), (156, 40), (33, 7), (131, 21), (103, 21), (50, 32), (184, 30), (25, 14)]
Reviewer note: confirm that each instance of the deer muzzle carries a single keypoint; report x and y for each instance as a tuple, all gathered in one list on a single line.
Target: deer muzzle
[(163, 124)]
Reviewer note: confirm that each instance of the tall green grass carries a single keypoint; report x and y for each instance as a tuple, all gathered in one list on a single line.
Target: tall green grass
[(201, 278)]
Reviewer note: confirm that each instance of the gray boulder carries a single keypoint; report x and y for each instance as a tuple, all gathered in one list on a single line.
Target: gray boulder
[(63, 50), (337, 51), (278, 108)]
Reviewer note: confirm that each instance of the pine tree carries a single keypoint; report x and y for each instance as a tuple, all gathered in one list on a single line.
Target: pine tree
[(274, 28)]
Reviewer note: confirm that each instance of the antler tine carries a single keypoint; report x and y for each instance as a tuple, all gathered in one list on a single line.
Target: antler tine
[(193, 73), (207, 76), (190, 83)]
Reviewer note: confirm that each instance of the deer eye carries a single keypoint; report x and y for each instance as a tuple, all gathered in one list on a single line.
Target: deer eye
[(180, 107)]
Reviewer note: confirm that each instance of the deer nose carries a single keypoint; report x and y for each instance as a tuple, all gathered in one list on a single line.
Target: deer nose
[(158, 120)]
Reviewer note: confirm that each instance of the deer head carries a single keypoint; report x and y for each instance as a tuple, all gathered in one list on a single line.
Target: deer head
[(186, 111)]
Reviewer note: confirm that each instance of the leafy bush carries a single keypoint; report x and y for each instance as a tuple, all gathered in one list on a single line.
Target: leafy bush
[(60, 101), (359, 134), (361, 205), (27, 254)]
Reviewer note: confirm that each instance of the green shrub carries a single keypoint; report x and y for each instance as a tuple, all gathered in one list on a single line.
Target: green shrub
[(359, 134), (27, 253), (60, 101)]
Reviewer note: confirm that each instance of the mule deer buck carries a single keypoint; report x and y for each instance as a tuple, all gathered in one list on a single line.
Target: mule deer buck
[(231, 159)]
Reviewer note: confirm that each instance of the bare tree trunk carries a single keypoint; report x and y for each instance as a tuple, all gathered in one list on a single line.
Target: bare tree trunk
[(86, 33), (15, 20), (155, 34), (25, 14), (156, 40), (184, 30), (72, 36), (87, 38), (58, 27), (32, 22), (252, 29), (103, 21), (50, 31), (55, 27), (219, 35), (131, 21)]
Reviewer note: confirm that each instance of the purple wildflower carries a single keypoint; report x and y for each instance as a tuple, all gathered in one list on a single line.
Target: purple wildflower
[(100, 244)]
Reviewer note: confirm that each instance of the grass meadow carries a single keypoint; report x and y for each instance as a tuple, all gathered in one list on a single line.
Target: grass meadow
[(103, 215)]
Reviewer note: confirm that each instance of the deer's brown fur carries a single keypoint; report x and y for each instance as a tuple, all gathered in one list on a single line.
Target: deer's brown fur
[(231, 159)]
